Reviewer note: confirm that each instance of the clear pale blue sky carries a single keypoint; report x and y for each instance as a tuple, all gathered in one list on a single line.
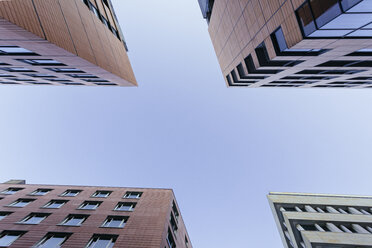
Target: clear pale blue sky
[(222, 150)]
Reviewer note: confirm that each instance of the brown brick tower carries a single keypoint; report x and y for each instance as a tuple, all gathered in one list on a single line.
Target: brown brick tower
[(80, 216), (62, 42), (292, 43)]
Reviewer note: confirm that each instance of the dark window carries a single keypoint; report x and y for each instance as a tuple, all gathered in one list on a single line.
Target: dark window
[(66, 70), (90, 205), (100, 193), (10, 191), (59, 80), (106, 84), (175, 211), (306, 20), (34, 218), (4, 214), (16, 69), (115, 221), (20, 203), (170, 239), (54, 240), (40, 192), (74, 220), (102, 240), (82, 75), (55, 204), (325, 11), (39, 75), (72, 83), (173, 224), (16, 51), (8, 237), (362, 52), (347, 4), (42, 62), (125, 206), (71, 192), (132, 195)]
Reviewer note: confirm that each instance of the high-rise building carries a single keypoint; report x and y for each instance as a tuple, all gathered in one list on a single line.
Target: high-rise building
[(62, 42), (82, 216), (292, 43), (323, 221)]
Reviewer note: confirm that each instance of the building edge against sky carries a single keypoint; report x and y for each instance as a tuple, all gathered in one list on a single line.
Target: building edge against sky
[(321, 220), (81, 216), (72, 42), (292, 43)]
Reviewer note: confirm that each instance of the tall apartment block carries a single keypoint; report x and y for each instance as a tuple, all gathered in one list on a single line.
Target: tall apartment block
[(62, 42), (292, 43), (323, 221), (50, 216)]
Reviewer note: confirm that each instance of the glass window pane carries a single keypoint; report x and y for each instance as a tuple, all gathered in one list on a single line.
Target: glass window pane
[(329, 33), (14, 50), (52, 242), (34, 220), (363, 6), (8, 239), (306, 19), (349, 21), (101, 243), (361, 33), (324, 11)]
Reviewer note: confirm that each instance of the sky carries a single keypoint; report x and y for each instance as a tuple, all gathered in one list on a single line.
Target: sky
[(221, 149)]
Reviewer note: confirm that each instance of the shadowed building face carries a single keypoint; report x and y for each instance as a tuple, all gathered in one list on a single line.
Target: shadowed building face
[(70, 42), (292, 43)]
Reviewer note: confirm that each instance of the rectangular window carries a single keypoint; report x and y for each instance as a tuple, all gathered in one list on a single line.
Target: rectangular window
[(175, 210), (115, 221), (40, 62), (170, 239), (53, 240), (71, 193), (8, 237), (306, 20), (15, 51), (34, 218), (133, 195), (325, 11), (20, 203), (16, 69), (10, 191), (74, 220), (40, 192), (81, 76), (173, 224), (55, 204), (125, 206), (90, 205), (4, 214), (39, 75), (66, 70), (101, 194), (102, 241)]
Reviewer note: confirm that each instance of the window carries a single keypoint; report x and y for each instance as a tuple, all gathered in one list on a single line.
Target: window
[(125, 206), (81, 75), (360, 52), (102, 194), (102, 241), (8, 237), (173, 224), (90, 205), (132, 195), (59, 80), (4, 214), (74, 220), (71, 193), (66, 70), (186, 241), (15, 50), (34, 218), (115, 221), (53, 240), (16, 69), (40, 192), (170, 240), (55, 204), (40, 75), (106, 84), (95, 80), (175, 210), (20, 203), (10, 191), (39, 62)]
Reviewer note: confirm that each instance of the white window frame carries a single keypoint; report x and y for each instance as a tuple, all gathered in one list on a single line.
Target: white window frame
[(46, 238), (94, 239), (54, 202), (70, 217), (86, 203), (110, 218), (64, 194), (123, 203)]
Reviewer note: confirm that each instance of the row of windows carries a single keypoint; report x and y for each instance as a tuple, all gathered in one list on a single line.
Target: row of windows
[(86, 205), (72, 192), (56, 240), (70, 220)]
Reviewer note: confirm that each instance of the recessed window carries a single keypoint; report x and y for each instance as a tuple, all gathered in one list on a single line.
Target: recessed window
[(40, 83), (59, 80), (66, 70), (34, 218), (90, 205), (39, 75), (41, 62), (72, 83), (360, 52), (82, 75), (71, 193), (115, 221), (106, 84), (15, 50), (74, 220), (40, 192), (186, 242), (55, 204), (6, 75), (100, 193), (10, 191), (170, 239), (173, 223), (53, 240), (175, 211), (95, 80), (133, 195), (20, 203), (8, 237), (16, 69), (102, 241), (4, 214), (22, 79), (125, 206)]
